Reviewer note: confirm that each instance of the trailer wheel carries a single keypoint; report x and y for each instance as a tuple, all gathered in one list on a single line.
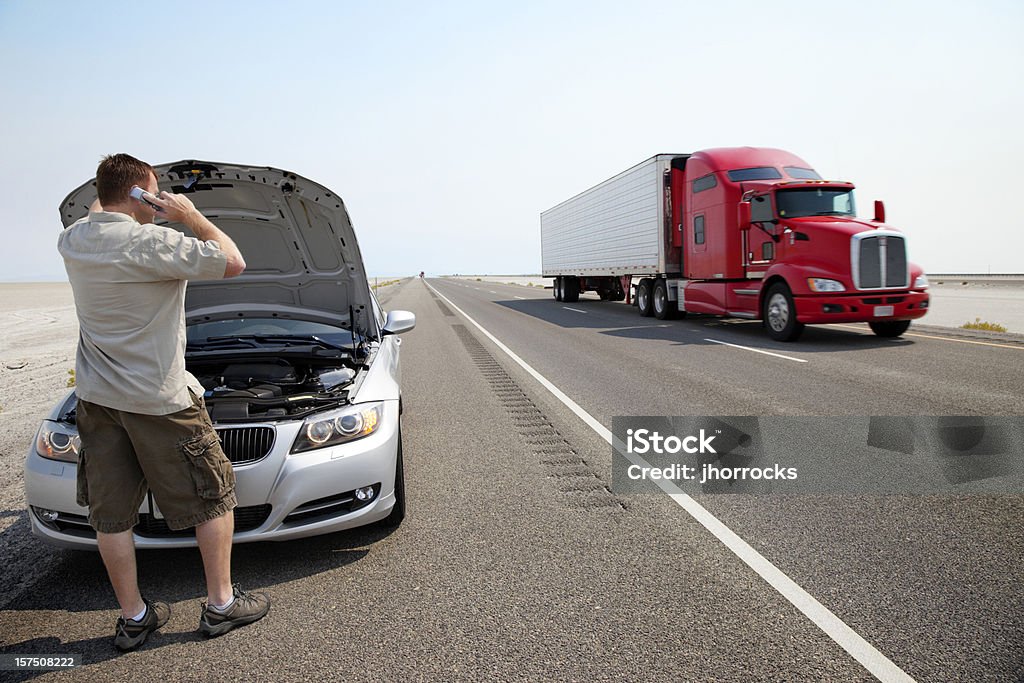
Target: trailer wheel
[(558, 289), (643, 297), (571, 289), (890, 328), (659, 301), (780, 314)]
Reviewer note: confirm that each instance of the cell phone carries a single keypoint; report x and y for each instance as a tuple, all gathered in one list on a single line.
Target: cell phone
[(143, 196)]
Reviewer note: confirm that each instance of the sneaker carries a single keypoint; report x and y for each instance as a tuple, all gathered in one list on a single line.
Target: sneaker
[(129, 634), (247, 608)]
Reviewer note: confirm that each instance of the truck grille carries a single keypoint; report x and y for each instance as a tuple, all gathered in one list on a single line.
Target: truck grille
[(881, 262), (244, 445)]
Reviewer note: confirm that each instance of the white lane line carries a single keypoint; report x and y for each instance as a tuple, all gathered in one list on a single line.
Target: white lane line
[(492, 291), (751, 348), (520, 297), (573, 309), (930, 336), (861, 650)]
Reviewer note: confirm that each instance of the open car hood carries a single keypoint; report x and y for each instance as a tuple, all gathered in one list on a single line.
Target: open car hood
[(302, 257)]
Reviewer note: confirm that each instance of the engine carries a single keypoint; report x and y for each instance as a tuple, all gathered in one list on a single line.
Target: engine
[(270, 390)]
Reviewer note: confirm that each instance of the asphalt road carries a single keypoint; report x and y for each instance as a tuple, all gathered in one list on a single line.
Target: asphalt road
[(517, 562)]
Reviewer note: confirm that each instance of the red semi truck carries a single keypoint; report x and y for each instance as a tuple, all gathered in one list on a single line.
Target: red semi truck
[(743, 232)]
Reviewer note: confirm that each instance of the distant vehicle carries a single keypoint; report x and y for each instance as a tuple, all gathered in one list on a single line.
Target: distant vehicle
[(299, 362), (421, 273), (743, 232)]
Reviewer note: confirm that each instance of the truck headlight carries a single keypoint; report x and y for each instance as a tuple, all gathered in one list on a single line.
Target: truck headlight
[(820, 284), (921, 282), (58, 441), (338, 426)]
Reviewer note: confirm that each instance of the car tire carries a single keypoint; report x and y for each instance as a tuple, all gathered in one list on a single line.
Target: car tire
[(571, 290), (394, 520), (779, 314), (890, 328), (660, 304), (643, 297)]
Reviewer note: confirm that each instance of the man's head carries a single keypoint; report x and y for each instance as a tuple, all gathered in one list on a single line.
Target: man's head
[(116, 175)]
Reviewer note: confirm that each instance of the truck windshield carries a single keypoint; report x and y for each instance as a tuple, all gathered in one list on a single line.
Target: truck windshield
[(815, 201)]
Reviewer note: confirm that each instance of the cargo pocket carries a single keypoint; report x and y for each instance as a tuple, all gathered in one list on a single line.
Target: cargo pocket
[(211, 469), (81, 484)]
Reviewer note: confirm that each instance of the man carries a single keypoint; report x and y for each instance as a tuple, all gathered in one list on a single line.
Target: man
[(140, 414)]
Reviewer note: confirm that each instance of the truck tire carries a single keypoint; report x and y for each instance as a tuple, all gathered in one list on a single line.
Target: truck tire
[(660, 304), (558, 289), (571, 289), (890, 328), (643, 297), (780, 314)]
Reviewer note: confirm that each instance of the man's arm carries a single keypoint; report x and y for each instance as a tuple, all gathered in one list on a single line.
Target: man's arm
[(180, 209)]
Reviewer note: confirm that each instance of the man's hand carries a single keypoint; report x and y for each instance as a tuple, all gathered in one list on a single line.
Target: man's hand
[(174, 207)]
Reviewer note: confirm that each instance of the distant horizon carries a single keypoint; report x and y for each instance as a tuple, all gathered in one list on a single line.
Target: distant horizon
[(416, 274)]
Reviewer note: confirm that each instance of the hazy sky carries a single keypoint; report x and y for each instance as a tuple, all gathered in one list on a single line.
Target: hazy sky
[(448, 127)]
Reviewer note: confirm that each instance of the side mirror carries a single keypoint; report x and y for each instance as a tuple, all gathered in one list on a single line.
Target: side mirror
[(398, 322), (879, 211), (743, 215)]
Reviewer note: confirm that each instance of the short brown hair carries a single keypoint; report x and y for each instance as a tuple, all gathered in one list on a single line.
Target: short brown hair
[(117, 173)]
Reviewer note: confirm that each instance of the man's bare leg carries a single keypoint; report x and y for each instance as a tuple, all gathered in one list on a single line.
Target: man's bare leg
[(118, 553), (214, 537)]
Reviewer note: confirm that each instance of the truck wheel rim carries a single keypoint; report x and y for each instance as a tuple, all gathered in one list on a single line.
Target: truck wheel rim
[(641, 298), (659, 301), (778, 312)]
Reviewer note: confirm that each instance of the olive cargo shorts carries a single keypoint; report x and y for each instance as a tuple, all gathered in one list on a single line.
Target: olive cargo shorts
[(177, 456)]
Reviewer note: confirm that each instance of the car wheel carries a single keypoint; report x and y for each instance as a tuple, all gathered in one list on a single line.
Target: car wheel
[(394, 520), (780, 314), (890, 328), (643, 297), (659, 301)]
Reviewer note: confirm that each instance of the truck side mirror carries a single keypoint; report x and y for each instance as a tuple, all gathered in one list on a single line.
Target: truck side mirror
[(743, 215), (879, 211)]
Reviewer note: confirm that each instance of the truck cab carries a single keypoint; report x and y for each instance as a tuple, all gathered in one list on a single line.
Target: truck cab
[(765, 237)]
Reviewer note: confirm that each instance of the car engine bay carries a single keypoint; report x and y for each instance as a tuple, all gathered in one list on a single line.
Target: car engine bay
[(271, 389)]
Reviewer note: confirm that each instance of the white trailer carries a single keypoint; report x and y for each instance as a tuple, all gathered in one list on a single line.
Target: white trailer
[(614, 230)]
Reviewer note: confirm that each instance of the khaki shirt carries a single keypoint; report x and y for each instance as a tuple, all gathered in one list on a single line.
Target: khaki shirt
[(129, 285)]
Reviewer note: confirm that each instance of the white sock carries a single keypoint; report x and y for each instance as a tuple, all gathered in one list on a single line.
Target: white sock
[(221, 608), (140, 615)]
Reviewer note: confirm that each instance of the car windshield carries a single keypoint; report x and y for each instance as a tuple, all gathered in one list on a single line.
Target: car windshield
[(815, 201), (276, 329)]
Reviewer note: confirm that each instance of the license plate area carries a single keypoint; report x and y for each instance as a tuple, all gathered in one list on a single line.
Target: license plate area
[(883, 311)]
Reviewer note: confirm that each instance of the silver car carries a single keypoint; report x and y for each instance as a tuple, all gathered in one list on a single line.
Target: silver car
[(300, 366)]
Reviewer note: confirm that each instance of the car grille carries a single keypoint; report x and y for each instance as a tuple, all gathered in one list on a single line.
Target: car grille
[(882, 262), (246, 519), (244, 445)]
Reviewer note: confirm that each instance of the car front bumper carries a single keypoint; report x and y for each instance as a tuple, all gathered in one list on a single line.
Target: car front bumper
[(280, 497)]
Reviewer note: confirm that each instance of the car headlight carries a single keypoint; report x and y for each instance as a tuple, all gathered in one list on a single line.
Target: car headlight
[(921, 282), (58, 441), (338, 426), (820, 284)]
